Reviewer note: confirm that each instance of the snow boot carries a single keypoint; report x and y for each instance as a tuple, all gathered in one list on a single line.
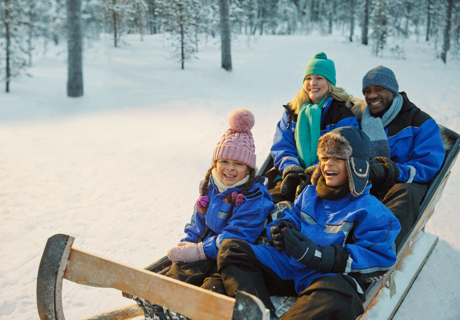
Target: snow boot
[(151, 311)]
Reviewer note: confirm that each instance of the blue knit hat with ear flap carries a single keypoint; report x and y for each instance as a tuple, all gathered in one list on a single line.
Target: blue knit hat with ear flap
[(322, 66)]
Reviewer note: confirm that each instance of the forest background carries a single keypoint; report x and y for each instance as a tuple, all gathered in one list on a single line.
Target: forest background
[(30, 26)]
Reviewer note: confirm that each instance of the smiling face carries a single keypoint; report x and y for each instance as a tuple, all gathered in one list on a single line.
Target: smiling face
[(334, 171), (231, 171), (378, 98), (316, 87)]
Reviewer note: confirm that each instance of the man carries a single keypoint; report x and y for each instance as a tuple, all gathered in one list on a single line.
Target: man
[(407, 149)]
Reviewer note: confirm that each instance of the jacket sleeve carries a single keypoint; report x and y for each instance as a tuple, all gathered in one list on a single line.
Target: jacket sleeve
[(426, 156), (246, 223), (372, 251), (284, 150), (196, 227)]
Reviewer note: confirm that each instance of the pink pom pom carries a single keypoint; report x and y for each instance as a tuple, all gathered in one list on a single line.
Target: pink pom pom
[(241, 120), (238, 198), (202, 202)]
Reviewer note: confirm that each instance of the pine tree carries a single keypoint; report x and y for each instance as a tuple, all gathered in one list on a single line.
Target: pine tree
[(13, 33), (179, 23), (379, 25)]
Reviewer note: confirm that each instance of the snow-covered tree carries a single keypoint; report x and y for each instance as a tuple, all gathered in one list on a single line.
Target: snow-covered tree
[(379, 25), (13, 35), (180, 23)]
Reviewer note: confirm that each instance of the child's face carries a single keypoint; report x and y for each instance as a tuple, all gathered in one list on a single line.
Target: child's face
[(231, 171), (334, 171)]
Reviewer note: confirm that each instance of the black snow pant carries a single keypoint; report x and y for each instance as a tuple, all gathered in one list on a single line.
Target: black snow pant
[(328, 297), (202, 273), (404, 199)]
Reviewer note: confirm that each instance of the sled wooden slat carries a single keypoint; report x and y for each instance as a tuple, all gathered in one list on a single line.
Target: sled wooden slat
[(92, 270)]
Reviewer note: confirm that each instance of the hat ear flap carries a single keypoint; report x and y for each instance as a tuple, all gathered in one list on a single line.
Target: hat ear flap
[(315, 176)]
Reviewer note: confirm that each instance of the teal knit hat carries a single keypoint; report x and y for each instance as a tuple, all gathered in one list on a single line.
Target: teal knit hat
[(322, 66)]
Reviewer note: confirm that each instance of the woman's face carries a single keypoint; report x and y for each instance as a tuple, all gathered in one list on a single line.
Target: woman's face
[(316, 87), (231, 171), (334, 171)]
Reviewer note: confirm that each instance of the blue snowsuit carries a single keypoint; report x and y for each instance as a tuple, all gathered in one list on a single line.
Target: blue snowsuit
[(284, 151), (227, 221), (362, 225)]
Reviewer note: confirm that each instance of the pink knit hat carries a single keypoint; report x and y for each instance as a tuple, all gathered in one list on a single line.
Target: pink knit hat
[(237, 142)]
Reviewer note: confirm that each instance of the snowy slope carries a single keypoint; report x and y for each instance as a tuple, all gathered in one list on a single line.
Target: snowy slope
[(118, 169)]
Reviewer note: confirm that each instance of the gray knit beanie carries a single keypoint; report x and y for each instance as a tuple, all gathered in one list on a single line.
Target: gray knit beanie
[(381, 76)]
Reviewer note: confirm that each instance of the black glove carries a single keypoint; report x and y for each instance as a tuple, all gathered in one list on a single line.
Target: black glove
[(305, 179), (380, 186), (291, 179), (275, 232), (322, 258), (377, 172)]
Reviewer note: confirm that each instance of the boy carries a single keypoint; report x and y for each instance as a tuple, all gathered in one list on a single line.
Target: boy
[(336, 236)]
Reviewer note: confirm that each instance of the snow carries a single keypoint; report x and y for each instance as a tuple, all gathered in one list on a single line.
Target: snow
[(118, 169)]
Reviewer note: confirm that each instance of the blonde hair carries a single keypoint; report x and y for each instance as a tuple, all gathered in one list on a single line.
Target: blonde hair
[(334, 92)]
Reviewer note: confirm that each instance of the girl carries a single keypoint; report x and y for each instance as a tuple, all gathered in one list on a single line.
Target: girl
[(233, 204), (317, 108)]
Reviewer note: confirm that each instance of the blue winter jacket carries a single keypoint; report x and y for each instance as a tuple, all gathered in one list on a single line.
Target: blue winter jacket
[(415, 144), (227, 221), (362, 225), (284, 151)]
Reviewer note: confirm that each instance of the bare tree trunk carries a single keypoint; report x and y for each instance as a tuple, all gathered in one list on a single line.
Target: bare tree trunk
[(182, 53), (8, 46), (225, 35), (74, 47), (114, 19), (446, 45), (352, 19), (365, 30), (428, 20)]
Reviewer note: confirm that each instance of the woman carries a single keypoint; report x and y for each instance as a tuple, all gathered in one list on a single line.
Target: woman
[(316, 109)]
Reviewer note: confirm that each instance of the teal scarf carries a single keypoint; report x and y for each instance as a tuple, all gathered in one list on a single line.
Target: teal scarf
[(307, 132)]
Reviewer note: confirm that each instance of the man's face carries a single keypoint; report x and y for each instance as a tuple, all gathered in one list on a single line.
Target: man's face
[(378, 98)]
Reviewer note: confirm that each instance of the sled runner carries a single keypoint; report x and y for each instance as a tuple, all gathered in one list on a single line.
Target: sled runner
[(60, 261)]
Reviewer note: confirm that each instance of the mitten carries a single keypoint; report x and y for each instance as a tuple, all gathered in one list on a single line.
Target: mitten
[(304, 179), (322, 258), (291, 179), (187, 252), (275, 232)]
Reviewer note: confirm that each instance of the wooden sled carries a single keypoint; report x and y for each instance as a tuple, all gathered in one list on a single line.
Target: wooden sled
[(61, 261)]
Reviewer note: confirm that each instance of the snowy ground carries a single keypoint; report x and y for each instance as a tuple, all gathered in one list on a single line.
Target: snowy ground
[(118, 169)]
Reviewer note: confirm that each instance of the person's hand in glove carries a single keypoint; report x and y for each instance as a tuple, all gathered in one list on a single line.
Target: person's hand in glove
[(322, 258), (187, 252), (304, 179), (275, 232), (384, 174), (291, 179), (377, 172)]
